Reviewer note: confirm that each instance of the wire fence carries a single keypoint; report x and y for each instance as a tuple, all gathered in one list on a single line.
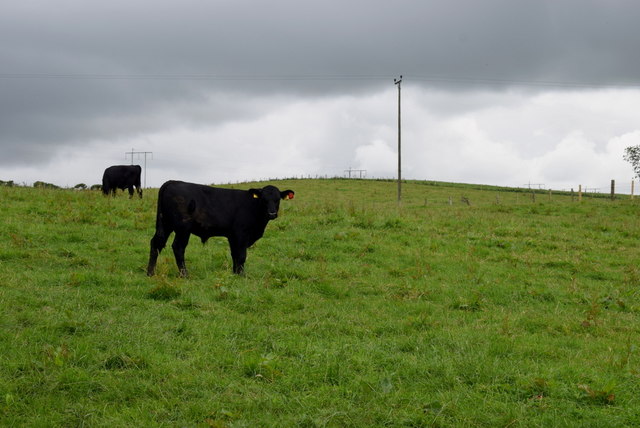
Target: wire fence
[(529, 192), (615, 187)]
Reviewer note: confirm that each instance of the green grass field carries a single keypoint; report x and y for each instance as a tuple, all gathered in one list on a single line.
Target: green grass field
[(505, 312)]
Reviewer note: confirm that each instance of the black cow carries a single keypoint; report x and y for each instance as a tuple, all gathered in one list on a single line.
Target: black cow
[(239, 215), (121, 177)]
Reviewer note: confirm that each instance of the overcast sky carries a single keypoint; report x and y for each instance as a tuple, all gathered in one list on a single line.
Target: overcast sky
[(503, 92)]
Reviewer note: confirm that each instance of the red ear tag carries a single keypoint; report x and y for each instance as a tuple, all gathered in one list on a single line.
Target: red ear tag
[(290, 195)]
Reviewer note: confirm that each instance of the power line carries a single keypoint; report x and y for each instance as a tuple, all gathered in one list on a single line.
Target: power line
[(214, 77), (313, 77), (536, 83)]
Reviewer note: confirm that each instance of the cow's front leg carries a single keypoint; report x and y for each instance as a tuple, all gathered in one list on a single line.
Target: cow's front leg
[(179, 244), (153, 258), (157, 243), (130, 188), (239, 255)]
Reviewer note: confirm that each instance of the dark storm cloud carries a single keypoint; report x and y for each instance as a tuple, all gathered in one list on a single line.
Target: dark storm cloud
[(73, 71)]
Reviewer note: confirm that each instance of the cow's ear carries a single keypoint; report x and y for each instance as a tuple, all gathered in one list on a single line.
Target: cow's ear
[(287, 194), (255, 193)]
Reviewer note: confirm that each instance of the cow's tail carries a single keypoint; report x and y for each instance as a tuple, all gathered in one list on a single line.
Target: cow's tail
[(105, 185), (137, 183), (159, 240)]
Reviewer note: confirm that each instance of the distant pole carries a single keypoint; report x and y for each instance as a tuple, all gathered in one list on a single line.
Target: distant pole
[(133, 152), (398, 82), (579, 192), (361, 172), (613, 189)]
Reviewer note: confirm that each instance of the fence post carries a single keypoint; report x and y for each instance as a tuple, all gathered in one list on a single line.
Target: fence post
[(613, 189), (579, 192), (632, 185)]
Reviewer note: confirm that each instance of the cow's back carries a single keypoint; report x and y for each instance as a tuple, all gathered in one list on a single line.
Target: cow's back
[(122, 176), (204, 210)]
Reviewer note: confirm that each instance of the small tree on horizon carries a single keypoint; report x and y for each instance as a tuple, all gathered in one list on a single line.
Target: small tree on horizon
[(632, 155)]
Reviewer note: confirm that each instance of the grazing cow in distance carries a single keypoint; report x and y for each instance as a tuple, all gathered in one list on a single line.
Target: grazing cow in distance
[(239, 215), (121, 177)]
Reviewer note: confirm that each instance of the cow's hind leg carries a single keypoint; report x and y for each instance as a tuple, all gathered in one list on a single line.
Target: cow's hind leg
[(157, 244), (180, 242)]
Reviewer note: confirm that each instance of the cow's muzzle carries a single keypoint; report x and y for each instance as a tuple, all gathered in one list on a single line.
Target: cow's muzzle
[(272, 216)]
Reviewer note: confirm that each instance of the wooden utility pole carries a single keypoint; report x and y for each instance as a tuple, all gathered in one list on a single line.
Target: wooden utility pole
[(398, 82)]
